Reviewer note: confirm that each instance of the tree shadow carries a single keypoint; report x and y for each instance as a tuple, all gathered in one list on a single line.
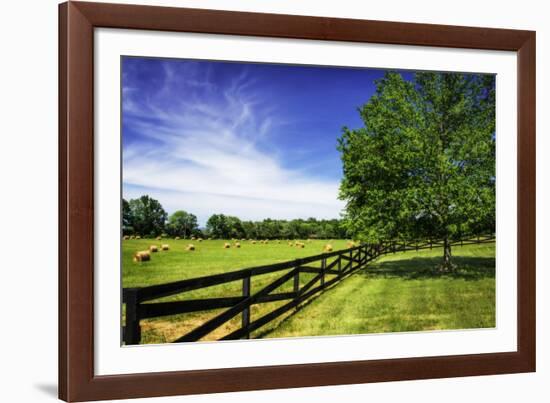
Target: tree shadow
[(467, 268)]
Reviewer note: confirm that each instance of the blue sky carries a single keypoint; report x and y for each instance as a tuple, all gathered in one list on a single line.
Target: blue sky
[(251, 140)]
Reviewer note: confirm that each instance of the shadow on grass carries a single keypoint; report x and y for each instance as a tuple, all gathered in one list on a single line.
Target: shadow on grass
[(415, 268), (468, 268)]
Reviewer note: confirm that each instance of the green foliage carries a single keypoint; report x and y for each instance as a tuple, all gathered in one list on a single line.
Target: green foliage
[(182, 223), (127, 221), (424, 163), (146, 215), (220, 226)]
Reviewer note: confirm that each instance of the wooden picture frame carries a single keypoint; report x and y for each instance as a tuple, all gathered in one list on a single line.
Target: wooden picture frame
[(77, 21)]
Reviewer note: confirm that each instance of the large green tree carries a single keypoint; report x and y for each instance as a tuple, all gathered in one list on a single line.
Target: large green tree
[(423, 165), (148, 216), (217, 226), (182, 223)]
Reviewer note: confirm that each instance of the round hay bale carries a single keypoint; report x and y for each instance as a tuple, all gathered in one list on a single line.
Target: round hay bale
[(253, 242), (137, 237), (177, 238), (237, 245), (190, 247), (142, 256), (328, 248), (154, 248), (193, 238), (199, 239), (158, 238), (125, 237), (165, 247), (226, 245)]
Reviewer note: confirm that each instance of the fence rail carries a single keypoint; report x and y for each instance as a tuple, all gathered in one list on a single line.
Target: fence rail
[(345, 262)]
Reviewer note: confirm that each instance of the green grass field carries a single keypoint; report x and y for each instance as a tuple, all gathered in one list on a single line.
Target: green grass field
[(399, 292)]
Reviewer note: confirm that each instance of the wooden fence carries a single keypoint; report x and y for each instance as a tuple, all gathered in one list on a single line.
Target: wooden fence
[(334, 267)]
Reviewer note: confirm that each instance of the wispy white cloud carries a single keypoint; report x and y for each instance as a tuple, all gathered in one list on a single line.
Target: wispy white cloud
[(203, 151)]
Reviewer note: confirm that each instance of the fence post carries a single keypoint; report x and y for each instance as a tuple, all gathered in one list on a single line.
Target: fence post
[(339, 265), (132, 330), (246, 311), (297, 282), (323, 265)]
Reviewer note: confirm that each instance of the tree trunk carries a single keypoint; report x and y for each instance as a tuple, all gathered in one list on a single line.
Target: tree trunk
[(446, 265)]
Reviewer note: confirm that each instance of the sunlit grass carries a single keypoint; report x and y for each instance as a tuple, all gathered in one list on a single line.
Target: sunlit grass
[(209, 258), (399, 292), (404, 292)]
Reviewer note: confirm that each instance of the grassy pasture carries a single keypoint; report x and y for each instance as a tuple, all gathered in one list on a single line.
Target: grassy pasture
[(401, 292), (398, 293), (209, 258)]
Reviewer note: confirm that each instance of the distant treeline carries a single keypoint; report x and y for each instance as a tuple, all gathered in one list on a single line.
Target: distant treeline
[(145, 216)]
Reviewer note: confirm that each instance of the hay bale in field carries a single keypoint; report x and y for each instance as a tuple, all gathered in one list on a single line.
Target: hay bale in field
[(192, 238), (290, 244), (137, 237), (142, 256), (190, 247), (132, 237), (177, 238), (158, 238), (328, 248), (351, 244), (154, 248), (300, 244), (237, 245), (125, 237), (165, 247), (199, 239), (253, 242), (226, 245)]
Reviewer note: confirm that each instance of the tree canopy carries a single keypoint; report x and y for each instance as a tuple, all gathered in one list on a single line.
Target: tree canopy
[(146, 215), (423, 165), (182, 223)]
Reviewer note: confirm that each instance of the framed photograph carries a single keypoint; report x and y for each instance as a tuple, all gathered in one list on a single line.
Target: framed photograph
[(256, 201)]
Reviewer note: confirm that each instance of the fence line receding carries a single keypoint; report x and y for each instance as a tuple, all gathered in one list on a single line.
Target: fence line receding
[(334, 267)]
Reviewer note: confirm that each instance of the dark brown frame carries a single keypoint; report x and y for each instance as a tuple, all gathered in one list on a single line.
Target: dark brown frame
[(77, 21)]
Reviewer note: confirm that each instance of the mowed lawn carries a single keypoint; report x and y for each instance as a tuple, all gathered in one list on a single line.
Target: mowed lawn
[(401, 292), (208, 258)]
